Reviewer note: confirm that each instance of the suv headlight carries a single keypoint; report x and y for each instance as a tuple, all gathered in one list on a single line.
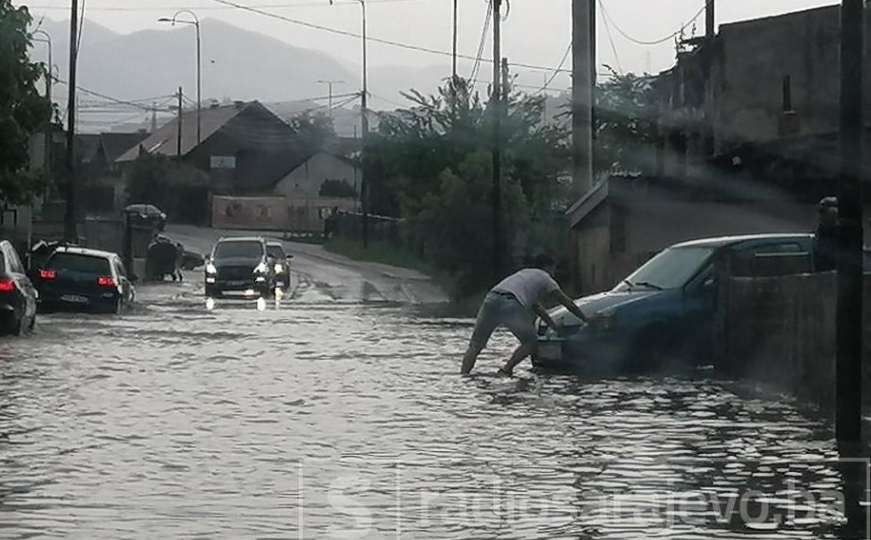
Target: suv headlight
[(210, 268), (605, 320), (261, 268), (279, 268)]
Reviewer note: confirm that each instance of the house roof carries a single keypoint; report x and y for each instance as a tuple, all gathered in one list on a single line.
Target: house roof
[(87, 146), (589, 202), (164, 141), (115, 144), (302, 160)]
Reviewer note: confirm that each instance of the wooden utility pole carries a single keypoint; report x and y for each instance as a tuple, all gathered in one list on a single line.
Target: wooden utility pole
[(849, 263), (582, 95), (496, 105), (178, 134), (70, 231)]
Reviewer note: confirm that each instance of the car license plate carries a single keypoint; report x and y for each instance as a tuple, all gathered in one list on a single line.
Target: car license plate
[(550, 350), (74, 299), (237, 283)]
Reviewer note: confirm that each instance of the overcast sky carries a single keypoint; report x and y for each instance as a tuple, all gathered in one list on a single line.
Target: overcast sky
[(535, 32)]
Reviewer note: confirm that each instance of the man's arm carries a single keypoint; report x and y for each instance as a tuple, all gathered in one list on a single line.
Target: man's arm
[(569, 304), (545, 316)]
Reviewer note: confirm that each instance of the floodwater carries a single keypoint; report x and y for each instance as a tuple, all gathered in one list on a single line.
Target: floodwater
[(324, 419)]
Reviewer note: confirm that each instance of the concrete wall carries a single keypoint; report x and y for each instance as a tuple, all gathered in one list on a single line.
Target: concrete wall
[(250, 213), (781, 331), (307, 179)]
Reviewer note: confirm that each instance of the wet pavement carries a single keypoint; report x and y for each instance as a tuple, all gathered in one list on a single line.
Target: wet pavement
[(339, 414)]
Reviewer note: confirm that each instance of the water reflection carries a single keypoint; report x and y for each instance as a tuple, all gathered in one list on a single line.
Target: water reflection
[(350, 421)]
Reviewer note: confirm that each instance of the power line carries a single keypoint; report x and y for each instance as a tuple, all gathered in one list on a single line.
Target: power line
[(81, 28), (484, 32), (109, 98), (218, 8), (611, 39), (557, 70), (382, 41), (669, 37)]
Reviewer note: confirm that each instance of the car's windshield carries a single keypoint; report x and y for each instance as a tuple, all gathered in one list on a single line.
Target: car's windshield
[(238, 250), (276, 252), (669, 270), (75, 262)]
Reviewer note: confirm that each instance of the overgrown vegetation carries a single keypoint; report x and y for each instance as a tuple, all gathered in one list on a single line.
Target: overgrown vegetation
[(180, 191), (23, 111)]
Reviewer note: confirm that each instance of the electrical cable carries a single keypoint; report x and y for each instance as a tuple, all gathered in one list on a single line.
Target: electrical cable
[(656, 41)]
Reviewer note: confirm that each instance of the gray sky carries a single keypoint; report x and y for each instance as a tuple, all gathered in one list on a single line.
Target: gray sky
[(536, 31)]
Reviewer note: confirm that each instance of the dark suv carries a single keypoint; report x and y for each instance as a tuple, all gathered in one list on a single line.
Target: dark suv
[(239, 265)]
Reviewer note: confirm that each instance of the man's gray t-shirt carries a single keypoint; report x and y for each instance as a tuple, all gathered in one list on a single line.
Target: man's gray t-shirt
[(530, 286)]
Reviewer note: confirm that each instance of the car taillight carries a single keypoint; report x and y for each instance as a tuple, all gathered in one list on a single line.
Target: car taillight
[(7, 286), (106, 281), (47, 274)]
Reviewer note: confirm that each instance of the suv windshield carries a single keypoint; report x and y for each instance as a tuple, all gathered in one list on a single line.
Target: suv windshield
[(276, 252), (669, 270), (238, 250), (75, 262)]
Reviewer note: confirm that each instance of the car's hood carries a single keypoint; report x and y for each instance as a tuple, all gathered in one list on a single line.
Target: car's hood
[(597, 303), (237, 261)]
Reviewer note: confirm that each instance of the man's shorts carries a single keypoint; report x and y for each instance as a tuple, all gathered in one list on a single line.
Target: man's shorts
[(503, 309)]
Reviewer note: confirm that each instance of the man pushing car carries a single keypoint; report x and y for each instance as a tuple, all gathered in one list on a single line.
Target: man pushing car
[(514, 303)]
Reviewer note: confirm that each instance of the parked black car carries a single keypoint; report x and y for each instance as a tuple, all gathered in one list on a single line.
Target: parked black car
[(83, 280), (148, 215), (18, 297), (239, 265), (280, 263)]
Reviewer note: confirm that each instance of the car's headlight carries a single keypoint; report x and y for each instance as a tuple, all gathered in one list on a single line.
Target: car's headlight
[(261, 268), (210, 269), (279, 268), (605, 320)]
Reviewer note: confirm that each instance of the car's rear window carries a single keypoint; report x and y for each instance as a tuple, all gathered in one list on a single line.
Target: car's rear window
[(275, 252), (241, 250), (75, 262)]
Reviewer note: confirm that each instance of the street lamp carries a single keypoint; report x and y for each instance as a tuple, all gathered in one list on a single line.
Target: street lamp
[(330, 86), (364, 125), (196, 23)]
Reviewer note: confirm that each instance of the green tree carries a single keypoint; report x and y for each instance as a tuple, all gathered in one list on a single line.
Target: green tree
[(626, 118), (432, 165), (22, 110)]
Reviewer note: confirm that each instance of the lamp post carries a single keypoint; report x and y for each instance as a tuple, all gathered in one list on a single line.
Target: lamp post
[(364, 126), (196, 23)]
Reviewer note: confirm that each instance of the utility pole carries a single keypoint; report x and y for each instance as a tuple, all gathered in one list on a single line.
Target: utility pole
[(710, 19), (178, 135), (496, 105), (364, 126), (455, 43), (582, 95), (70, 232), (849, 264), (330, 84), (153, 116)]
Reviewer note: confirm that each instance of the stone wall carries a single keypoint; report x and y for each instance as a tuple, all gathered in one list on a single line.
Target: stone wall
[(781, 331)]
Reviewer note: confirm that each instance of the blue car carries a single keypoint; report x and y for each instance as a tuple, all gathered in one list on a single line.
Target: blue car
[(664, 312)]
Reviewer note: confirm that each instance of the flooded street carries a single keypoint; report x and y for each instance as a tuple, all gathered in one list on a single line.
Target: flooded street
[(333, 418)]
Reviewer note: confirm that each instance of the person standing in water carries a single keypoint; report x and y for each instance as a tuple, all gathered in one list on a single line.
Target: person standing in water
[(514, 303)]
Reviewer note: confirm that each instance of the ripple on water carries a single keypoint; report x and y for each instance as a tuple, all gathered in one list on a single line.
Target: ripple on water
[(237, 423)]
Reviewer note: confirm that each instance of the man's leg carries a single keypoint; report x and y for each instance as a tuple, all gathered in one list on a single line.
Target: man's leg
[(485, 323), (470, 358), (522, 324), (519, 355)]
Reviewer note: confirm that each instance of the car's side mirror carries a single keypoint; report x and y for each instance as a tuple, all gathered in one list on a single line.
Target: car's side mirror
[(289, 258)]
